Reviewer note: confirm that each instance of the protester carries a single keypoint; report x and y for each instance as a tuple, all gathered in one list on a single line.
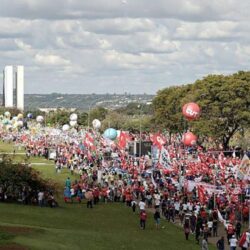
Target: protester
[(233, 242), (157, 217), (143, 218), (204, 244), (186, 228), (220, 244)]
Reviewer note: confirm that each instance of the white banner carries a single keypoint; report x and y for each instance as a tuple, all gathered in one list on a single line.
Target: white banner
[(243, 172), (165, 158)]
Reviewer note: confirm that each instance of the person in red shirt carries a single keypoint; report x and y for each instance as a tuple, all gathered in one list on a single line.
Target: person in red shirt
[(143, 218), (230, 231)]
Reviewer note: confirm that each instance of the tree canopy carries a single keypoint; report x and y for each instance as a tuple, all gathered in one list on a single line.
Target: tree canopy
[(17, 177), (224, 101)]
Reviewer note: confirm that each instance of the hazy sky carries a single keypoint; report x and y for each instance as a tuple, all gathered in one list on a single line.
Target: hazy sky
[(137, 46)]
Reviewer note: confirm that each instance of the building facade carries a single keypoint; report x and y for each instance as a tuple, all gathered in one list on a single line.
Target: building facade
[(13, 87)]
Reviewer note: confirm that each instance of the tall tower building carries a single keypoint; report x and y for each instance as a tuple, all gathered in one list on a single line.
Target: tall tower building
[(20, 87), (8, 85), (13, 87)]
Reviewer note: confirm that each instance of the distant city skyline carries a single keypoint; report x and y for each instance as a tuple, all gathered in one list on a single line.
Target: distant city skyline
[(141, 46)]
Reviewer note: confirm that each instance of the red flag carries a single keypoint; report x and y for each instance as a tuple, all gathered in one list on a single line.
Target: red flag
[(158, 140), (89, 142), (201, 194), (122, 140)]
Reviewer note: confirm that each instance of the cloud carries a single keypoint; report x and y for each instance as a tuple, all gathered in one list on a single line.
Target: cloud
[(134, 46), (50, 59)]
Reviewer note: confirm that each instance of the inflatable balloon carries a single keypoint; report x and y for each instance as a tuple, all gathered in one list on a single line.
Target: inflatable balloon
[(96, 124), (191, 110), (65, 127), (110, 133), (7, 114), (73, 123), (189, 139), (20, 116), (73, 117), (39, 119), (29, 115), (5, 121), (19, 124)]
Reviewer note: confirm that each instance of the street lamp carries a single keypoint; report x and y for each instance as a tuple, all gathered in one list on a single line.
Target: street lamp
[(140, 116)]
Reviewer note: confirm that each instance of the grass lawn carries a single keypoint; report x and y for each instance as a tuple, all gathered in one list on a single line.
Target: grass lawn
[(73, 226)]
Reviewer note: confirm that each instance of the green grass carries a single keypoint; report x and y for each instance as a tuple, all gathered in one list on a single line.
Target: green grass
[(106, 226), (73, 226)]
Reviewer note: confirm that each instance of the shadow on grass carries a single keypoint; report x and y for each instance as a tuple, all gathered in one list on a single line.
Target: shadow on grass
[(8, 234)]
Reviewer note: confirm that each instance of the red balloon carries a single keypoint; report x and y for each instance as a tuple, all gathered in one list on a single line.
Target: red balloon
[(189, 139), (191, 110)]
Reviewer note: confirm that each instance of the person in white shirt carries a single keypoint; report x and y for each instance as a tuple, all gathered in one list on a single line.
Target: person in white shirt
[(184, 207), (233, 243), (210, 227), (177, 207), (142, 205), (40, 198)]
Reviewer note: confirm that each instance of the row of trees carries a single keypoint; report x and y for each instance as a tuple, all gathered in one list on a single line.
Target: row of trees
[(224, 101)]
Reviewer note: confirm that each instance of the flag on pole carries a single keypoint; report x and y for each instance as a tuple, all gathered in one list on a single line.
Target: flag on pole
[(122, 140), (158, 140), (89, 141)]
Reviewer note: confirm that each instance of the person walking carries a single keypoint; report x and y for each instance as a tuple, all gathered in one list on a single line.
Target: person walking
[(204, 244), (186, 228), (221, 244), (143, 218), (238, 230), (157, 218), (233, 242)]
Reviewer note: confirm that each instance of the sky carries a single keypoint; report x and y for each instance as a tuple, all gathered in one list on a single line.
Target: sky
[(117, 46)]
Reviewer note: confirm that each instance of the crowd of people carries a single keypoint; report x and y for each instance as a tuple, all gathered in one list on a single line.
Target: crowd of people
[(195, 187)]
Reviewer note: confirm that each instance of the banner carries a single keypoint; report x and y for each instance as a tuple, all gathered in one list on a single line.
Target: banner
[(165, 159), (244, 169)]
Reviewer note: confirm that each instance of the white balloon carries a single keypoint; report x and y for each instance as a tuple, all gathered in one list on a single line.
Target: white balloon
[(20, 123), (14, 118), (73, 117), (7, 114), (73, 123), (96, 124), (20, 116), (65, 127), (39, 119)]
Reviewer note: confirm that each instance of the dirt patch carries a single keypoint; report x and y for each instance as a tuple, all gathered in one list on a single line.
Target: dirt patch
[(13, 247), (15, 230)]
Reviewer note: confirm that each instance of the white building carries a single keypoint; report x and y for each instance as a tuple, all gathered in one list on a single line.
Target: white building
[(8, 85), (20, 87), (13, 87)]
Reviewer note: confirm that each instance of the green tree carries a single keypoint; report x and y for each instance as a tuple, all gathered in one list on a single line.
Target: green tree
[(14, 177), (224, 101), (225, 104), (167, 109), (97, 113)]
